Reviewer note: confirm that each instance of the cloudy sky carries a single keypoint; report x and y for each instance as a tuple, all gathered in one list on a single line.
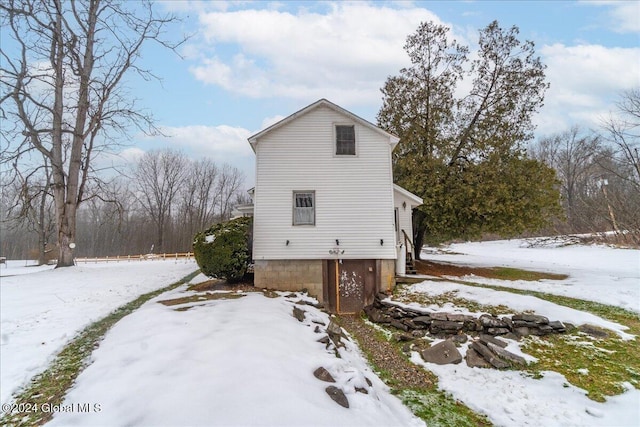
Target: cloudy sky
[(249, 64)]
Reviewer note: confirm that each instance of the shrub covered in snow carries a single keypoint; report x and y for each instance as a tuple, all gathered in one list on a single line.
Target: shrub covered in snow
[(224, 250)]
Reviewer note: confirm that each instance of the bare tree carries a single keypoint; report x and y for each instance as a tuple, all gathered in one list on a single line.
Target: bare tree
[(31, 206), (159, 176), (572, 154), (622, 130), (229, 185), (63, 65)]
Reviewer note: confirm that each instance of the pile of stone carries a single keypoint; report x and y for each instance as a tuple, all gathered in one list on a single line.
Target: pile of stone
[(486, 350), (440, 324)]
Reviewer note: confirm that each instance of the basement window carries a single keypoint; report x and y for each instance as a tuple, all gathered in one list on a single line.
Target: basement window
[(304, 208), (345, 140)]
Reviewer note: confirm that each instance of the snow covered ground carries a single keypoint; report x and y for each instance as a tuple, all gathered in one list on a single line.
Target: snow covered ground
[(596, 273), (247, 361), (41, 309), (227, 362)]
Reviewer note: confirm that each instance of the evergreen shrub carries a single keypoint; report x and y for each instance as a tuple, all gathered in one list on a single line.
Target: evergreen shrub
[(224, 250)]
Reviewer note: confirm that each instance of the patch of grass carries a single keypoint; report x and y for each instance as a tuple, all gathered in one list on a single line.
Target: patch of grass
[(439, 409), (506, 273), (422, 397), (50, 387), (201, 297), (599, 366), (442, 269), (609, 361), (402, 294)]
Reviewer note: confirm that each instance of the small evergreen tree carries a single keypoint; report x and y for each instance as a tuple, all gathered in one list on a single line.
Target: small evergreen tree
[(224, 250)]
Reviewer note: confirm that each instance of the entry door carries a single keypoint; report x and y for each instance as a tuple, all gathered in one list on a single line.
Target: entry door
[(356, 279)]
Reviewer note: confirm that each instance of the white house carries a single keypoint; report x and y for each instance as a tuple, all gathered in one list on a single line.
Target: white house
[(326, 210)]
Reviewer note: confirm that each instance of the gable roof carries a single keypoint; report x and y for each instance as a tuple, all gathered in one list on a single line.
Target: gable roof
[(253, 140), (415, 200)]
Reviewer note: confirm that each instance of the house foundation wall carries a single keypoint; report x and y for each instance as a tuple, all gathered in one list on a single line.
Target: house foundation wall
[(298, 275), (290, 275)]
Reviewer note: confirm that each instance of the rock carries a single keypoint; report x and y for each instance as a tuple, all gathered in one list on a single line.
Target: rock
[(375, 315), (438, 316), (507, 321), (488, 321), (361, 390), (486, 339), (335, 333), (507, 355), (399, 325), (456, 317), (323, 375), (475, 360), (298, 314), (422, 320), (522, 331), (558, 326), (540, 320), (442, 353), (325, 340), (402, 338), (459, 338), (337, 396), (418, 333), (369, 383), (488, 355), (594, 331), (317, 329), (498, 331), (445, 326)]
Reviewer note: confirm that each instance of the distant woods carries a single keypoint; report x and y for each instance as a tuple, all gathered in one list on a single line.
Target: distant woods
[(599, 172), (156, 205)]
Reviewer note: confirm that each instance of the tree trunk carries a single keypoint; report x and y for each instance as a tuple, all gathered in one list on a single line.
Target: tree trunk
[(418, 232)]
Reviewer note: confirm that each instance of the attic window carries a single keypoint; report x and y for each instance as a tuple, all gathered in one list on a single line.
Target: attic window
[(345, 140), (304, 209)]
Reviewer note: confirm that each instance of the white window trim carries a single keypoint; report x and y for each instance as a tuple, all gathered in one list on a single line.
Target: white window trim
[(334, 141), (293, 207)]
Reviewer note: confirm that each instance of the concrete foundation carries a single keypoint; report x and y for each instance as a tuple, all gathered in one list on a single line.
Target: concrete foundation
[(297, 275), (290, 275)]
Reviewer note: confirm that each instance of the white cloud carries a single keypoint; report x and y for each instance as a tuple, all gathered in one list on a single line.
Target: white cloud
[(585, 81), (217, 142), (344, 54), (268, 121), (625, 15)]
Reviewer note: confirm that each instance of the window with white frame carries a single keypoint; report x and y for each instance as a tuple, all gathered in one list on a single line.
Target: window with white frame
[(304, 208), (345, 140)]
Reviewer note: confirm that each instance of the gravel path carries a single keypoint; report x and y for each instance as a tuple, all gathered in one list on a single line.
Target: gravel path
[(386, 357)]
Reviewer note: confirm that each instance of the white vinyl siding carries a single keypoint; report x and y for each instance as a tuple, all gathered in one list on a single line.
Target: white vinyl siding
[(353, 194)]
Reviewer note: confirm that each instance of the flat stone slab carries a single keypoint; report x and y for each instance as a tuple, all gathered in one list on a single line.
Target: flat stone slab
[(323, 375), (337, 396), (443, 353), (475, 360), (486, 339)]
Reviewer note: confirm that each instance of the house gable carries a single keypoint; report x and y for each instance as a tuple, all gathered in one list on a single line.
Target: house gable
[(350, 117)]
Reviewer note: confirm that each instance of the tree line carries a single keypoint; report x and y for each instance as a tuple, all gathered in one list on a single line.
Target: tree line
[(157, 205), (598, 172)]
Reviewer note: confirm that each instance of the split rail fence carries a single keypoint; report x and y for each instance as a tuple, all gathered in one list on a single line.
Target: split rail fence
[(129, 258)]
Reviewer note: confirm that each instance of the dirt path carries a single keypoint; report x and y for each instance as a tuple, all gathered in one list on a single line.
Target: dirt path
[(386, 357)]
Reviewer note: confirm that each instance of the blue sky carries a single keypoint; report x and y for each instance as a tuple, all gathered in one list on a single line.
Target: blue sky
[(249, 64)]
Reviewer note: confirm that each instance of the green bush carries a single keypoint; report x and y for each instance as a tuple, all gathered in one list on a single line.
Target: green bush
[(224, 250)]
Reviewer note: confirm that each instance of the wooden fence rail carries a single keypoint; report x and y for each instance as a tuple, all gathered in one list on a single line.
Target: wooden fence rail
[(128, 258)]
